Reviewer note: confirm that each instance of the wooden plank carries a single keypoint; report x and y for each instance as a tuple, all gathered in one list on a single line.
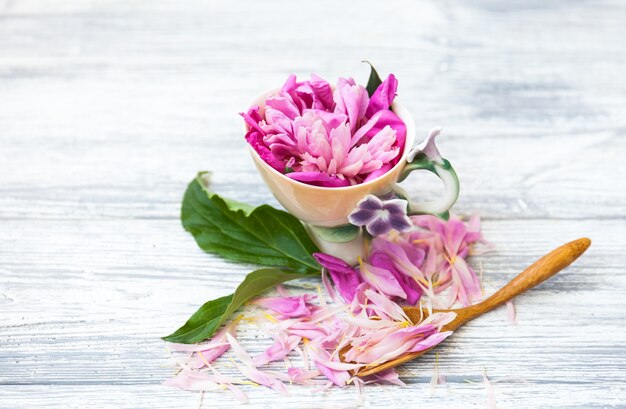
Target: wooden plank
[(512, 394), (109, 297), (93, 180)]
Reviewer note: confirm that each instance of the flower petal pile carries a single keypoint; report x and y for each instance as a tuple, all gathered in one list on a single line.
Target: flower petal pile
[(364, 327), (326, 137), (335, 342), (428, 259)]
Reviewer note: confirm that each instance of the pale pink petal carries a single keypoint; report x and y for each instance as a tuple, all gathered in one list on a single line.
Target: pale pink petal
[(389, 376), (287, 307), (383, 304), (192, 381), (333, 369), (302, 376), (281, 348), (249, 370), (511, 316), (381, 279)]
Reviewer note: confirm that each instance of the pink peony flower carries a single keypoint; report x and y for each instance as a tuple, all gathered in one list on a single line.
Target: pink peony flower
[(328, 138)]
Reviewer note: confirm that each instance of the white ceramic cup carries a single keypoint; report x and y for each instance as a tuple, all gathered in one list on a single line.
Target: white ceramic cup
[(329, 207)]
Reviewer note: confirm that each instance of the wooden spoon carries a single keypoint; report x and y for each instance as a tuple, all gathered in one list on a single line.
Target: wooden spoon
[(538, 272)]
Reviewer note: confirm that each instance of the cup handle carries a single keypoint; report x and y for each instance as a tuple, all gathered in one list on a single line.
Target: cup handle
[(426, 156)]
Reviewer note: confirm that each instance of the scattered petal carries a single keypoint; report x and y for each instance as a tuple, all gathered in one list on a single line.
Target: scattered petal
[(287, 307), (511, 315)]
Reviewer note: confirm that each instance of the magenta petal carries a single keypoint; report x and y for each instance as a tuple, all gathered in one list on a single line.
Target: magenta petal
[(379, 172), (408, 284), (323, 92), (253, 118), (406, 258), (318, 179), (290, 84), (255, 139), (383, 97), (345, 278), (285, 104)]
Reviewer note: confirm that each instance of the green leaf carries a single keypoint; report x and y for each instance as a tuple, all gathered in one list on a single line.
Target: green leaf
[(339, 234), (214, 313), (202, 323), (374, 81), (239, 232)]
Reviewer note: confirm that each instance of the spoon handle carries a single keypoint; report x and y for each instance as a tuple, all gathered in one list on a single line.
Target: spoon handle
[(536, 273)]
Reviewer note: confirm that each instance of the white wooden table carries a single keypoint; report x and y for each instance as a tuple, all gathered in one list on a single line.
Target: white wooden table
[(108, 108)]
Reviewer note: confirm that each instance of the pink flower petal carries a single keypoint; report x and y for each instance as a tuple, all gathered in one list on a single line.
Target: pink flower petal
[(302, 376), (287, 307), (335, 371), (249, 370), (318, 179), (408, 284), (381, 279), (383, 97), (345, 278), (388, 376), (281, 348)]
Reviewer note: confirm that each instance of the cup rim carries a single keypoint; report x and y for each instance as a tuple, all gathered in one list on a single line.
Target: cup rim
[(403, 115)]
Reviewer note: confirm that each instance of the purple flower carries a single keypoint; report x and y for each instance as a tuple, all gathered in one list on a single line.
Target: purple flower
[(380, 217), (328, 138)]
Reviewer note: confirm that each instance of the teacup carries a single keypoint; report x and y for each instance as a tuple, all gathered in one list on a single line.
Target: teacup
[(324, 209)]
